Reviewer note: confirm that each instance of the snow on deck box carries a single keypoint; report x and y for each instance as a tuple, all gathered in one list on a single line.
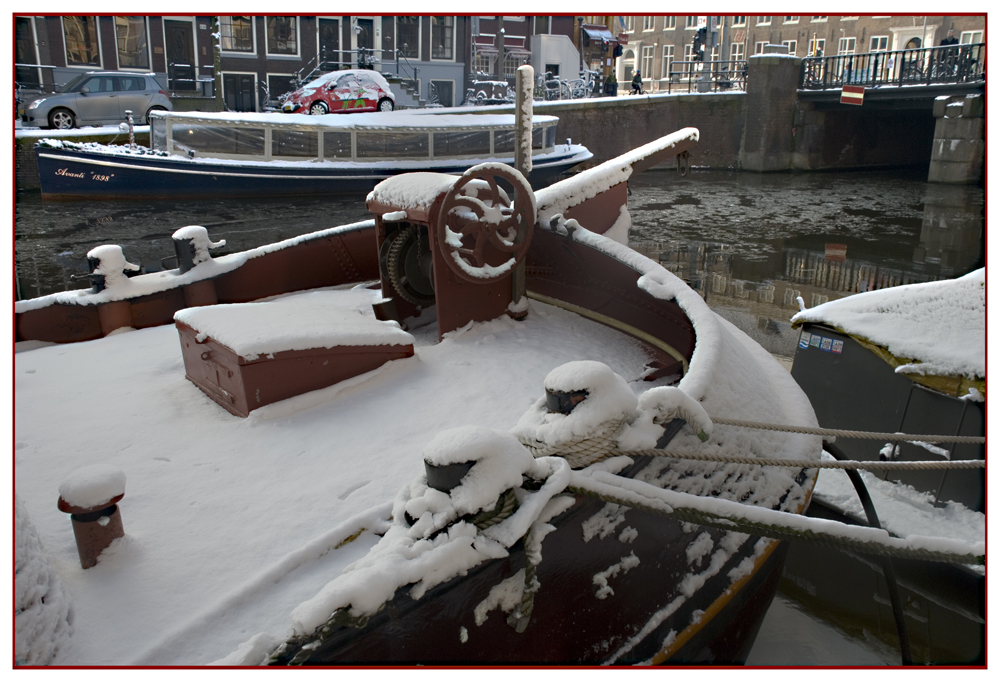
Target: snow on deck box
[(247, 355)]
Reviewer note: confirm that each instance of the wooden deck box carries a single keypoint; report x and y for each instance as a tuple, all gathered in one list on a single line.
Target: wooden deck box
[(248, 355)]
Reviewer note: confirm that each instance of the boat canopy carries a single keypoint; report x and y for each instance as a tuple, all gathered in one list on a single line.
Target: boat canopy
[(355, 137)]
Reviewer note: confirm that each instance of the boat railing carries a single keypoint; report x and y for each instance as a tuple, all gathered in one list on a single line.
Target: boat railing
[(263, 140)]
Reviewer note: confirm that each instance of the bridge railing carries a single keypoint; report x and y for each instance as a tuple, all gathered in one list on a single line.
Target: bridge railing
[(925, 66), (723, 75)]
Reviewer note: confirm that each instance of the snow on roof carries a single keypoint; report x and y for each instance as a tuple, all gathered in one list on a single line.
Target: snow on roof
[(940, 325), (362, 121), (308, 321)]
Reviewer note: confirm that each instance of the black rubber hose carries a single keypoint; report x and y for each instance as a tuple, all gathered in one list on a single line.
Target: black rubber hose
[(887, 569)]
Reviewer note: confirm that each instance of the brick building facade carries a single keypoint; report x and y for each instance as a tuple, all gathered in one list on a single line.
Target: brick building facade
[(655, 42)]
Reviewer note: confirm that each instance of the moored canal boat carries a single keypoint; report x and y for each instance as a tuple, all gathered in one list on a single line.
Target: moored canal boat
[(207, 154)]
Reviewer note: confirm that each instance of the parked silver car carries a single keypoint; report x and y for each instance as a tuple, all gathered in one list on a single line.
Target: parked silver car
[(98, 98)]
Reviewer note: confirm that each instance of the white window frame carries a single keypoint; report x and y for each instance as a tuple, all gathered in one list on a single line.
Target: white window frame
[(666, 59), (812, 45), (737, 22), (873, 48), (690, 22), (763, 21), (818, 19), (791, 20), (100, 48), (647, 62), (737, 51), (253, 40), (669, 23), (648, 22), (629, 22), (847, 45), (420, 35), (758, 47), (454, 38), (971, 37), (854, 18), (149, 47), (298, 38), (792, 45)]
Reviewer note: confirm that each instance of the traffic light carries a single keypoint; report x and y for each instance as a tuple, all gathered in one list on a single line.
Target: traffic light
[(698, 51)]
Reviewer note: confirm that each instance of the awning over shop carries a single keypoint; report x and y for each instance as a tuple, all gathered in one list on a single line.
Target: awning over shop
[(599, 33)]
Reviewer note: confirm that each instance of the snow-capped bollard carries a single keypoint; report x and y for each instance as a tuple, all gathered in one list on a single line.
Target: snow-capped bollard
[(191, 244), (584, 409), (108, 266), (90, 495)]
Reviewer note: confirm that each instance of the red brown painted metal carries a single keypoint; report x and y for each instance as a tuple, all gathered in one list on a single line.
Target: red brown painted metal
[(242, 385), (94, 528), (571, 624)]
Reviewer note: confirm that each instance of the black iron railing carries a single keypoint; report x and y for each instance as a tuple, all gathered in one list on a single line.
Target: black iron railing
[(926, 66), (722, 76)]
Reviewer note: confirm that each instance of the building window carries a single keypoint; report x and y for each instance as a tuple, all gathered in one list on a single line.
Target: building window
[(442, 37), (879, 44), (758, 47), (80, 34), (668, 59), (629, 23), (237, 34), (511, 63), (736, 52), (971, 37), (817, 44), (848, 18), (282, 36), (689, 55), (739, 21), (846, 46), (791, 20), (791, 45), (647, 60), (763, 21), (669, 23), (133, 50), (277, 85), (818, 19), (647, 23), (408, 37), (543, 25), (690, 22)]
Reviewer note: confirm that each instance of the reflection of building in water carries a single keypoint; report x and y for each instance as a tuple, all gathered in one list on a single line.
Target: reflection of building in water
[(951, 235)]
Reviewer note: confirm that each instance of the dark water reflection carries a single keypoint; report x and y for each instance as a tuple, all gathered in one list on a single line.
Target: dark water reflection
[(750, 244)]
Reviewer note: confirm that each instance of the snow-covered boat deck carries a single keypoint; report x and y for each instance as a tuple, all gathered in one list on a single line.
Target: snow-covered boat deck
[(230, 523)]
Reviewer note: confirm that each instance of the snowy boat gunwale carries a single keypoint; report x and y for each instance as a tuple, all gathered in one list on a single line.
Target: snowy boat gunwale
[(263, 154), (721, 575)]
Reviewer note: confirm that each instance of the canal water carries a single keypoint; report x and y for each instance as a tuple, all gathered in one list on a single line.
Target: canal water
[(750, 244)]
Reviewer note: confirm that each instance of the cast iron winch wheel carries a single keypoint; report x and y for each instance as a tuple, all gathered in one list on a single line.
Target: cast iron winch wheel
[(486, 233), (408, 265)]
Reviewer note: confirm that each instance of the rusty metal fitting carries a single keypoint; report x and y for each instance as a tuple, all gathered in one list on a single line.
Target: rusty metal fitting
[(96, 526)]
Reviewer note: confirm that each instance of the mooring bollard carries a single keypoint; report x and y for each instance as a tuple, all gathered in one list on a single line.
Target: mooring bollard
[(191, 244), (90, 495)]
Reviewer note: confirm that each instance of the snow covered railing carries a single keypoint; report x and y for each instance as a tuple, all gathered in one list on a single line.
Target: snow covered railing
[(565, 194)]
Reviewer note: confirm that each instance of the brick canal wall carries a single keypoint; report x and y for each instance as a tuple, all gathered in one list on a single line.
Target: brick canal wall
[(610, 127)]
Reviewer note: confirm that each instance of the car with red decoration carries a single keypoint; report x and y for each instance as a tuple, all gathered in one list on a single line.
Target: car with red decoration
[(341, 92)]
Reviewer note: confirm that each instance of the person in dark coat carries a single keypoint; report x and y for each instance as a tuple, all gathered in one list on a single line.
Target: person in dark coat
[(637, 83)]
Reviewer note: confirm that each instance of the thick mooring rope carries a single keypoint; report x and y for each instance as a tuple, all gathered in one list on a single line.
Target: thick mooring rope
[(843, 433), (810, 463), (888, 546)]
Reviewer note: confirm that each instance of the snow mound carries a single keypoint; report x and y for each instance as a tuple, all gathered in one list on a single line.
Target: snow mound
[(940, 325), (43, 615), (92, 485)]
